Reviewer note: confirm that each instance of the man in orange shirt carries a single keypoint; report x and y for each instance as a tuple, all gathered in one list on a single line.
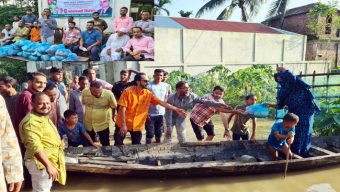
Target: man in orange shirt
[(35, 32), (134, 106)]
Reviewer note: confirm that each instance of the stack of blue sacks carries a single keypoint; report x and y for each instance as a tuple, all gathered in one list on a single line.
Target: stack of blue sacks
[(36, 51)]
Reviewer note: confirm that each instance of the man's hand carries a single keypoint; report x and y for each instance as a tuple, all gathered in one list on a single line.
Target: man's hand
[(97, 145), (89, 48), (181, 112), (118, 50), (14, 187), (137, 57), (108, 51), (227, 135), (252, 138), (123, 130), (290, 141), (227, 107), (52, 172)]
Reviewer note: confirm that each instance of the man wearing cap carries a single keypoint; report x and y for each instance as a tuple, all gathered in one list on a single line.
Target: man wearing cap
[(113, 49)]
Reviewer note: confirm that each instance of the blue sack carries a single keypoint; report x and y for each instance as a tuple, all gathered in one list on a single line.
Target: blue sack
[(43, 47), (54, 48), (62, 54), (258, 110), (53, 58), (4, 51), (22, 42), (33, 58), (45, 57), (20, 53), (71, 57)]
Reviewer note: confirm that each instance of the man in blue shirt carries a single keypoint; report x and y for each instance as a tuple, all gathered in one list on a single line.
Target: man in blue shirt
[(90, 40), (48, 25), (29, 19)]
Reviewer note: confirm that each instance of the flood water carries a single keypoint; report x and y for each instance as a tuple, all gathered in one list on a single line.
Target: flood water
[(321, 180)]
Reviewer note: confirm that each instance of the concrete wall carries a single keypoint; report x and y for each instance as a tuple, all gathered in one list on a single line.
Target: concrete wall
[(324, 50), (196, 51), (81, 22)]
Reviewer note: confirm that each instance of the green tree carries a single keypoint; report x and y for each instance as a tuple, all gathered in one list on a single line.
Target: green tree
[(249, 8), (16, 70), (185, 13), (278, 8), (323, 11), (159, 7)]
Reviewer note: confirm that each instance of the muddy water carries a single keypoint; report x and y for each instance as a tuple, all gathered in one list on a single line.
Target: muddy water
[(321, 180)]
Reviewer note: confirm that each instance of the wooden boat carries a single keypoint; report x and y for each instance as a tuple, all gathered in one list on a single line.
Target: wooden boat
[(196, 159)]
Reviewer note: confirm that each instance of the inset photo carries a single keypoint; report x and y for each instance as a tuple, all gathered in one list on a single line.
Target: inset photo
[(77, 30)]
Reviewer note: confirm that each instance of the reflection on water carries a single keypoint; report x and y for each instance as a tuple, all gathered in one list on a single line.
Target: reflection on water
[(322, 179)]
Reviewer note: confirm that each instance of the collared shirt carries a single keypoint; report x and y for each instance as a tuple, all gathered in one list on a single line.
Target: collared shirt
[(76, 135), (97, 110), (105, 84), (201, 113), (240, 126), (10, 156), (90, 38), (185, 103), (8, 34), (136, 104), (29, 19), (76, 104), (21, 31), (147, 26), (122, 22), (35, 34), (161, 92), (23, 105), (61, 100), (47, 29), (38, 133), (144, 43), (100, 23), (71, 36)]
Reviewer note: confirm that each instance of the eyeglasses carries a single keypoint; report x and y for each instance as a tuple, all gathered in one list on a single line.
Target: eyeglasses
[(145, 81)]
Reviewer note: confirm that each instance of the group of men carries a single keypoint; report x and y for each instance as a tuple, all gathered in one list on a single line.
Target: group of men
[(46, 110), (130, 40)]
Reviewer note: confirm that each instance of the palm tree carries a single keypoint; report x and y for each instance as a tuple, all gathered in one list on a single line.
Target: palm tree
[(185, 13), (278, 7), (245, 5), (159, 7)]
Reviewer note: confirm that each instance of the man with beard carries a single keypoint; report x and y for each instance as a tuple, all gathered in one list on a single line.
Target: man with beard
[(71, 36), (133, 110), (44, 156), (52, 92), (23, 104), (57, 76), (145, 23), (90, 40), (99, 23), (140, 47), (48, 25), (75, 98), (9, 93), (184, 99), (113, 50), (29, 18), (123, 21), (21, 32), (99, 107)]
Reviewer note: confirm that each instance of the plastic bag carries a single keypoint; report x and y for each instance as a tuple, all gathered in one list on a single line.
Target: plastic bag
[(26, 47), (22, 42), (54, 48), (4, 51), (12, 52), (62, 54), (33, 58), (43, 47), (71, 57), (45, 57), (258, 110), (53, 58), (20, 53), (26, 54)]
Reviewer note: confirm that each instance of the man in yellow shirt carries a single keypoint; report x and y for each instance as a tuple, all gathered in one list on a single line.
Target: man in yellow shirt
[(44, 156), (99, 107), (133, 110), (21, 32)]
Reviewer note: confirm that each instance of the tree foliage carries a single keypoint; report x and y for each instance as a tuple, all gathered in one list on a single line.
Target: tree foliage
[(257, 80), (159, 7), (185, 13), (16, 70), (328, 121), (323, 11)]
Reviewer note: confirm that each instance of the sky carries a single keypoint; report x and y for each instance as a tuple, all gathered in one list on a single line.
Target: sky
[(195, 5)]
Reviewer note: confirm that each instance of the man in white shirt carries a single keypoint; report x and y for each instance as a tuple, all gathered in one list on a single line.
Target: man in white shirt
[(8, 35), (113, 50)]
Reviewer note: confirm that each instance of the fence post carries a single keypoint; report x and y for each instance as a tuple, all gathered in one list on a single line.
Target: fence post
[(313, 81)]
